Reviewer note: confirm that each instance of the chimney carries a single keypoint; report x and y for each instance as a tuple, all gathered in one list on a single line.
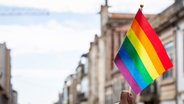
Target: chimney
[(106, 2), (104, 16)]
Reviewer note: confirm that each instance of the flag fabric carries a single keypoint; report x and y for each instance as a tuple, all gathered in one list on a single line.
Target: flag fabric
[(142, 57)]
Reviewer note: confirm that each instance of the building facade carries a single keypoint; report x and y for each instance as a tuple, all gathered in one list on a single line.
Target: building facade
[(93, 72), (14, 97), (3, 71), (76, 86), (69, 90), (105, 82), (170, 25), (6, 91), (113, 30), (82, 80)]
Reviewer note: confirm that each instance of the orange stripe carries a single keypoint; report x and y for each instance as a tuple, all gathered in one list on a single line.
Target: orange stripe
[(148, 46)]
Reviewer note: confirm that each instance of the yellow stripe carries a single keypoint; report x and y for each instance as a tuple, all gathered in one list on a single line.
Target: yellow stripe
[(148, 46), (142, 54)]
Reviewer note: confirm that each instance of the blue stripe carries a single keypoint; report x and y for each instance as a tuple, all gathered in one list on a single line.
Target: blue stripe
[(131, 67)]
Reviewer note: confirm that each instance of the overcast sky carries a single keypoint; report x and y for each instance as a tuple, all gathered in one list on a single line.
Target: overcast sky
[(46, 47)]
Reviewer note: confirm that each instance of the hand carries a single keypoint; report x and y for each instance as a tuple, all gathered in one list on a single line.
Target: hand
[(126, 98)]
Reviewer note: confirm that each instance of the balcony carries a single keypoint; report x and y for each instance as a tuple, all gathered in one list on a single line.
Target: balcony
[(149, 94), (82, 97)]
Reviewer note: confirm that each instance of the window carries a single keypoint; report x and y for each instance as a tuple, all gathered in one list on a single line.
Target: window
[(84, 86), (84, 61), (78, 87), (169, 48), (65, 93)]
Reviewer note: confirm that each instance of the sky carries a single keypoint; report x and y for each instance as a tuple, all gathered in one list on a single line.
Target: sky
[(47, 38)]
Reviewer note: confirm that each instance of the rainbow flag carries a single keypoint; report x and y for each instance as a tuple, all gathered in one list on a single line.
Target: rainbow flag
[(142, 57)]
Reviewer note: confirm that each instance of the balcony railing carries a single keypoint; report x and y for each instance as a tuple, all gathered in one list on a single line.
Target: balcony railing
[(82, 97), (150, 93)]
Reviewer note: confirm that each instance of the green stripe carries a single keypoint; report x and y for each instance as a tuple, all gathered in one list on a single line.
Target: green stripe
[(136, 60)]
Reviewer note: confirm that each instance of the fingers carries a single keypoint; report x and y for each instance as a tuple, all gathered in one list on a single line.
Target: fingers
[(130, 98), (126, 98)]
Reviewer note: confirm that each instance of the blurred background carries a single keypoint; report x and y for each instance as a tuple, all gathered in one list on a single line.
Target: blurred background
[(62, 51)]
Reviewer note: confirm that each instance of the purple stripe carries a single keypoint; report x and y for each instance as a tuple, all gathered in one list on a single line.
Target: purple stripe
[(124, 71)]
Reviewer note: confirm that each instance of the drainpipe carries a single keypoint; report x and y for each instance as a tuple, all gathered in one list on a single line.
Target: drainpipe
[(176, 66)]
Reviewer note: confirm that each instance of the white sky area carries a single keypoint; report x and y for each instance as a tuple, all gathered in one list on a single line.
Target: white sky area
[(46, 49)]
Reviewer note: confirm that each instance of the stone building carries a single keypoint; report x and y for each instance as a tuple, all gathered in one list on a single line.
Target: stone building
[(69, 90), (4, 71), (6, 91), (75, 90), (93, 72), (14, 97), (116, 28), (105, 80), (168, 88), (100, 57), (170, 25), (82, 80)]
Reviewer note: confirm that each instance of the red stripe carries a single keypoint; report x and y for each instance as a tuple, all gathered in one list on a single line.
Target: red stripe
[(157, 44)]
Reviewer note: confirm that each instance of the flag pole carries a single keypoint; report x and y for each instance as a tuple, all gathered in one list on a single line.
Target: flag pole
[(129, 90)]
